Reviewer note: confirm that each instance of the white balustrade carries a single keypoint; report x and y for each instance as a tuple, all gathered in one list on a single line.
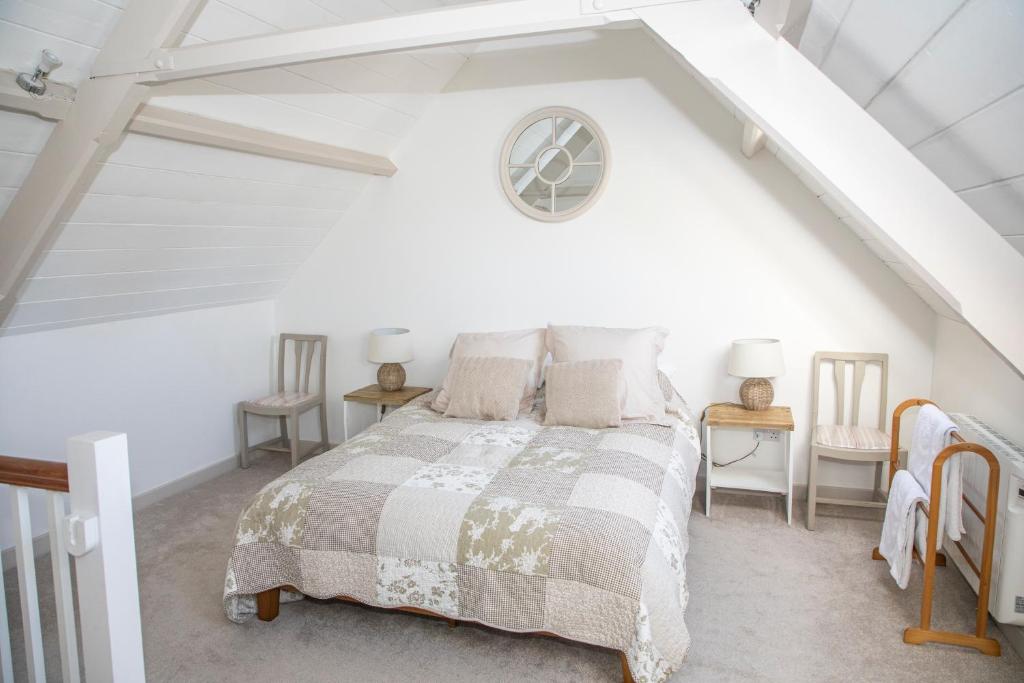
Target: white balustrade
[(99, 533), (64, 597), (27, 587)]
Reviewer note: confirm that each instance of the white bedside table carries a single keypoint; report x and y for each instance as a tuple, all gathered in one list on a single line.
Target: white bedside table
[(733, 416)]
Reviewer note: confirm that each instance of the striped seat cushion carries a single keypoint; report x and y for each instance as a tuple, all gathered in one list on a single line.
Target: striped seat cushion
[(282, 399), (852, 436)]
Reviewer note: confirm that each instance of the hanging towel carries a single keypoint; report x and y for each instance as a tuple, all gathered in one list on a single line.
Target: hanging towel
[(897, 542), (932, 433)]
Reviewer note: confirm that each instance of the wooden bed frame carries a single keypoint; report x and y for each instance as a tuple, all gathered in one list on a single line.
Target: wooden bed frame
[(268, 604)]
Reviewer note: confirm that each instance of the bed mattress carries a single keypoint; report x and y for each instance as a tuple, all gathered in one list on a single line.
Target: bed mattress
[(577, 532)]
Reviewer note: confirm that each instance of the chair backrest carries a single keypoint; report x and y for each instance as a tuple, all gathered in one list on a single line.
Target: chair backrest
[(839, 362), (305, 348)]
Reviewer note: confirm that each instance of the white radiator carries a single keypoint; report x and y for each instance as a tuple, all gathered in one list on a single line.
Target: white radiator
[(1006, 603)]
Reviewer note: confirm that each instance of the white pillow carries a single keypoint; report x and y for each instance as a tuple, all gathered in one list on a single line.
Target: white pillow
[(526, 344), (637, 349)]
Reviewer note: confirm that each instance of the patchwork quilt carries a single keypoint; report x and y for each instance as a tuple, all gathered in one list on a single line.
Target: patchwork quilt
[(577, 532)]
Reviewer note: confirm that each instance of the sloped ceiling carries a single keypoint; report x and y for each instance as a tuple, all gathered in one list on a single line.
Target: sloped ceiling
[(169, 226), (945, 78)]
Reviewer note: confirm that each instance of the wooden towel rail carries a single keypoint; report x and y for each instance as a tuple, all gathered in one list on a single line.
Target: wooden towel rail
[(924, 633)]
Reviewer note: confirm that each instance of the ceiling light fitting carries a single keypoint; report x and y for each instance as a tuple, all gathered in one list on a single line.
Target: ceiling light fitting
[(35, 83)]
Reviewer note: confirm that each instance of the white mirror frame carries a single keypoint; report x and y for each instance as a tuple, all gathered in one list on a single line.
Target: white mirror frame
[(506, 151)]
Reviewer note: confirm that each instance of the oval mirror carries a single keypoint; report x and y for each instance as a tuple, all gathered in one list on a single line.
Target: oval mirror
[(554, 164)]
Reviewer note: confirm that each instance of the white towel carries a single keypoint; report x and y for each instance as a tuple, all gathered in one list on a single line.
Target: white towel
[(897, 542), (932, 433)]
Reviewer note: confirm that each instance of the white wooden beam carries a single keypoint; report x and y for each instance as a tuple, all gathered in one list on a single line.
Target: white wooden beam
[(188, 127), (93, 123), (450, 25), (754, 139), (54, 104), (893, 196), (177, 125)]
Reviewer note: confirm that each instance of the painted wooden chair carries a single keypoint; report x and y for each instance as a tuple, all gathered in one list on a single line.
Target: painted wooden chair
[(287, 405), (848, 439)]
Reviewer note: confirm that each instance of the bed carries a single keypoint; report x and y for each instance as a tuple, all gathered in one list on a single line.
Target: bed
[(576, 533)]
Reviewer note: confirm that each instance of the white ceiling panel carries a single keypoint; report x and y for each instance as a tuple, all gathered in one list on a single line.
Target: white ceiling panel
[(878, 39), (79, 286), (14, 166), (83, 262), (92, 236), (167, 225), (983, 148), (976, 58), (959, 100), (823, 21), (45, 312), (127, 209), (144, 151), (19, 133), (218, 101), (1001, 204), (163, 184)]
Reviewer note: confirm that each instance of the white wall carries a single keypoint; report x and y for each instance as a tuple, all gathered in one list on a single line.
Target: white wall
[(688, 234), (970, 378), (170, 382)]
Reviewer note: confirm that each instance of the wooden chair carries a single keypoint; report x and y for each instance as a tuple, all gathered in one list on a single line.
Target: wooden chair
[(849, 441), (286, 405)]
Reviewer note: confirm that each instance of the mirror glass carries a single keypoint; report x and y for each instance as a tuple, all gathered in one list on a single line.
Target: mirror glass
[(554, 163)]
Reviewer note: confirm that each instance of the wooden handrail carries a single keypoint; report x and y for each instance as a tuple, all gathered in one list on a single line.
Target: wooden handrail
[(36, 474)]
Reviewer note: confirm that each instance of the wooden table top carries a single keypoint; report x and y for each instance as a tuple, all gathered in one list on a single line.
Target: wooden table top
[(735, 415), (372, 393)]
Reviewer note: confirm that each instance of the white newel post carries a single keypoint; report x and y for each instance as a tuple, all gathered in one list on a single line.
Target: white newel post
[(102, 539)]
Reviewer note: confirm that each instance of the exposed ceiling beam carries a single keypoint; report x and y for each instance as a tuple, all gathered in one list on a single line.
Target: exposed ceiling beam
[(894, 198), (67, 161), (187, 127), (446, 26), (178, 125)]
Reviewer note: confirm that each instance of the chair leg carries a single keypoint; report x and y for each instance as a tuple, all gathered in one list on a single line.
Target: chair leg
[(812, 490), (324, 442), (243, 425), (284, 431), (295, 441)]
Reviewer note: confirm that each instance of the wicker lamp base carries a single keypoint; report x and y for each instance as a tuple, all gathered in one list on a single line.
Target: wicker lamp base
[(391, 376), (756, 393)]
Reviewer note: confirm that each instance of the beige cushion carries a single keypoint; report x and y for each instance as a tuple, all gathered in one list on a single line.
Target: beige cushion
[(586, 393), (637, 349), (525, 344), (852, 436), (486, 388), (282, 399)]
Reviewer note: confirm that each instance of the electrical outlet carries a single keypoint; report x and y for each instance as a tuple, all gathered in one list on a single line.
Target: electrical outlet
[(767, 435)]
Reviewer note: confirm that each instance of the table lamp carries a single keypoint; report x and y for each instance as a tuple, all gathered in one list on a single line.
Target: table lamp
[(390, 346), (756, 360)]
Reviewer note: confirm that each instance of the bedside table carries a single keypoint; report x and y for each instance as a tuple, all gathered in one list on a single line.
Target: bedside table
[(778, 419), (374, 395)]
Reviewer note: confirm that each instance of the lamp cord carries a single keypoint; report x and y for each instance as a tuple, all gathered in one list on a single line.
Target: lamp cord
[(704, 456)]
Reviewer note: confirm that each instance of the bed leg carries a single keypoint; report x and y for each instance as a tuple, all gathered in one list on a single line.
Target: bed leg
[(268, 603), (627, 675)]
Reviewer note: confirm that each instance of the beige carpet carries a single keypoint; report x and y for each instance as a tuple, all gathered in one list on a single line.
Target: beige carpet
[(768, 603)]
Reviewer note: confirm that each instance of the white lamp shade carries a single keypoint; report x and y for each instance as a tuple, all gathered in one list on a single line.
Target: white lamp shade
[(756, 358), (390, 345)]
